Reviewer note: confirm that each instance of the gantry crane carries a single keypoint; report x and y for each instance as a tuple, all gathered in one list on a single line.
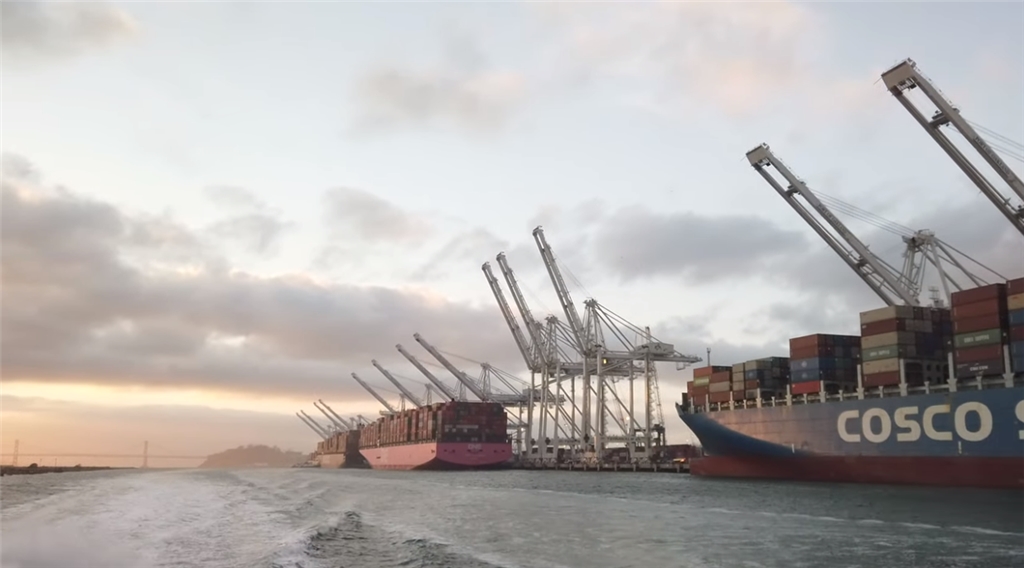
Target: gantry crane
[(415, 400), (313, 426), (894, 287), (905, 76), (380, 399), (337, 425), (351, 423), (459, 375), (611, 362), (324, 431), (443, 388)]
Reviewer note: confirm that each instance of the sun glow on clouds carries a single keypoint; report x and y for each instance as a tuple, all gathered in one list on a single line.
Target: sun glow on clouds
[(127, 396)]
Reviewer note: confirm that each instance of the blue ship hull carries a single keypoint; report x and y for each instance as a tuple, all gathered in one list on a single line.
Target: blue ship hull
[(968, 437)]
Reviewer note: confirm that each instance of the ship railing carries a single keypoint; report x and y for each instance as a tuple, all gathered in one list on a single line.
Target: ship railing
[(977, 383)]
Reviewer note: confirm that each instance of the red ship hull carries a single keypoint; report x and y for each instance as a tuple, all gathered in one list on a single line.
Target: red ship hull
[(438, 455), (987, 472)]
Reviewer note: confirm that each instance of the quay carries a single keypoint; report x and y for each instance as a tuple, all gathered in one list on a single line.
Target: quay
[(596, 467)]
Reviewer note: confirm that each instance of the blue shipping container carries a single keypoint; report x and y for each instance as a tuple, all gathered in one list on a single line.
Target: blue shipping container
[(1017, 349), (840, 375), (1016, 317)]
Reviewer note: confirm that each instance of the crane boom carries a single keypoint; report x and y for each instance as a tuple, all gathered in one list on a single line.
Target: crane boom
[(517, 333), (473, 388), (350, 424), (379, 398), (322, 430), (905, 76), (571, 314), (335, 423), (533, 327), (872, 269), (412, 398), (450, 394), (311, 426)]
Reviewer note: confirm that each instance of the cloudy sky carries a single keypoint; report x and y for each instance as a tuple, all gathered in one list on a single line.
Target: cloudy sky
[(213, 213)]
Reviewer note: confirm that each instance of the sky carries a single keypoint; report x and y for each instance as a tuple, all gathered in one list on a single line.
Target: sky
[(213, 213)]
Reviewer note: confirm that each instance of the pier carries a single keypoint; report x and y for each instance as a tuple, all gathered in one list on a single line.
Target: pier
[(599, 467)]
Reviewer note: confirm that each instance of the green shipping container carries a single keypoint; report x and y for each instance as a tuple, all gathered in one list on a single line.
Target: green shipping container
[(979, 338), (888, 352), (701, 381)]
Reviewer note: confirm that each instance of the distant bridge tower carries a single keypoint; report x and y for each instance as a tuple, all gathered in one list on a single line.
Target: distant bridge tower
[(145, 454), (14, 460)]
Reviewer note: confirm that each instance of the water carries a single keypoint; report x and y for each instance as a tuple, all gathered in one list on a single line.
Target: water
[(375, 519)]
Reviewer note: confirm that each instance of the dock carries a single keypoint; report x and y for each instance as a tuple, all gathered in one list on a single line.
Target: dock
[(600, 467)]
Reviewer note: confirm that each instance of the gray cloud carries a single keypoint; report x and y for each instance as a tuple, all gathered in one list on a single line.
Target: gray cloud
[(94, 295), (635, 242), (258, 227), (457, 92), (33, 28), (356, 213)]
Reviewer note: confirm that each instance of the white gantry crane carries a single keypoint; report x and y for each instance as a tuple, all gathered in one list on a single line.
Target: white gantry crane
[(622, 359), (540, 357), (415, 400), (444, 389), (389, 409), (336, 425), (479, 391), (313, 426), (325, 432), (894, 287), (906, 76), (347, 423)]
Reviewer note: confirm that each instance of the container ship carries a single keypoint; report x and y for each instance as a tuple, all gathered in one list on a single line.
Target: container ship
[(448, 435), (923, 396)]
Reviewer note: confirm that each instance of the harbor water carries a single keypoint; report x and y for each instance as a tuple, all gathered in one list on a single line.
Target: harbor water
[(313, 518)]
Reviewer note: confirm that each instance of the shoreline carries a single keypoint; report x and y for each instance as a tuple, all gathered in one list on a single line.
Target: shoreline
[(33, 470)]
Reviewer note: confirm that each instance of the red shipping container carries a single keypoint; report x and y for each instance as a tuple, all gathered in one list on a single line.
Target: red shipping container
[(973, 354), (706, 371), (977, 309), (751, 384), (805, 341), (811, 352), (978, 294), (720, 397), (809, 387), (1015, 286), (882, 379), (982, 323), (883, 326), (1017, 333), (721, 377)]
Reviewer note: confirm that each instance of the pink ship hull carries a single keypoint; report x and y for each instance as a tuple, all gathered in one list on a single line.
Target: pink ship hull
[(438, 455)]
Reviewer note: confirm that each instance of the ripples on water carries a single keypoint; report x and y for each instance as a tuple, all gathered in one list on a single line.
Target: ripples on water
[(301, 518)]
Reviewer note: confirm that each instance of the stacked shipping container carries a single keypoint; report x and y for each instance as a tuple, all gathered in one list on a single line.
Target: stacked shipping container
[(904, 336), (823, 360), (980, 326), (483, 422), (700, 388), (1015, 319), (764, 378)]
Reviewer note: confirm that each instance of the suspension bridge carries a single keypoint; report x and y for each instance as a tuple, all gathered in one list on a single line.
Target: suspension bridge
[(144, 456)]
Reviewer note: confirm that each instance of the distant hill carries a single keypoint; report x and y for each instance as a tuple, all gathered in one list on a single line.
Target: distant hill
[(254, 456)]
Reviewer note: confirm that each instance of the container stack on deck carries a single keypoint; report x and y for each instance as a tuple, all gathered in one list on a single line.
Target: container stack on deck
[(719, 387), (472, 422), (1015, 317), (981, 328), (764, 378), (829, 361), (699, 389), (904, 336)]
